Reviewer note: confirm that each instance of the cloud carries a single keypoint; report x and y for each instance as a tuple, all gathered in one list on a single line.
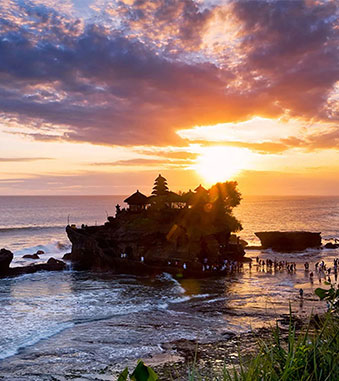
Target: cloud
[(91, 182), (322, 140), (147, 163), (314, 182), (22, 159), (140, 162), (131, 162), (291, 51), (266, 135), (181, 153), (120, 79)]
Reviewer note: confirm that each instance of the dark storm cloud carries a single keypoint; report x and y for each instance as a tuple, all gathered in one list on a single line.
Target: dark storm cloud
[(108, 86)]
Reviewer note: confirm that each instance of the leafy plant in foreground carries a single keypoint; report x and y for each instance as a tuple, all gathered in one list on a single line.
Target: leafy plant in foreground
[(331, 296), (140, 373)]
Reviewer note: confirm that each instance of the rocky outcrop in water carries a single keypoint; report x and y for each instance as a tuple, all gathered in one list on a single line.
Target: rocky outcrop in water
[(67, 256), (189, 230), (137, 244), (331, 245), (31, 256), (6, 258), (289, 241)]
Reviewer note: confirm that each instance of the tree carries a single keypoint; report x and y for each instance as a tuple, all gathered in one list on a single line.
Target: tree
[(160, 187), (223, 198)]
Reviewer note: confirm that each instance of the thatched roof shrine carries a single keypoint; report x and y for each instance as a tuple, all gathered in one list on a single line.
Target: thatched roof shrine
[(137, 198)]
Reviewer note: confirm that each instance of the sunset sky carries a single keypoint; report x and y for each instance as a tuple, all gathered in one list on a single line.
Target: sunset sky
[(99, 96)]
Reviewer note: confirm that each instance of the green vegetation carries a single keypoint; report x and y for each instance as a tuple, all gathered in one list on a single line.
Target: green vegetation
[(140, 373), (331, 296), (311, 355)]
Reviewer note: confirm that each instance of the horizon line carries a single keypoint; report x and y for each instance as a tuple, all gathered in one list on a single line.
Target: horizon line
[(124, 195)]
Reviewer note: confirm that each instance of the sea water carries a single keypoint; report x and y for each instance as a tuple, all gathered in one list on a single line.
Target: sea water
[(74, 324)]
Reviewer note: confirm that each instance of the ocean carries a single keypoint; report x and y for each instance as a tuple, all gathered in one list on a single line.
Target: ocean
[(75, 324)]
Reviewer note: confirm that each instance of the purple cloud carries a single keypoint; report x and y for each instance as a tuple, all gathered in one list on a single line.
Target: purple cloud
[(119, 84)]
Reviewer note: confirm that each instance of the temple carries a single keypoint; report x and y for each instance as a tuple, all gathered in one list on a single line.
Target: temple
[(137, 202), (160, 198)]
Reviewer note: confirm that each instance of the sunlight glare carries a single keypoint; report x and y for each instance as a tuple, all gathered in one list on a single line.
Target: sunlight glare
[(220, 163)]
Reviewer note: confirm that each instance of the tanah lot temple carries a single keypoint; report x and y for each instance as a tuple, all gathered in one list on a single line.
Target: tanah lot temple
[(166, 231), (162, 197)]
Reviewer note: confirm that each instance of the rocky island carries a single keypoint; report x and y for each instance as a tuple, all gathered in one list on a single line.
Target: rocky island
[(187, 233), (289, 241)]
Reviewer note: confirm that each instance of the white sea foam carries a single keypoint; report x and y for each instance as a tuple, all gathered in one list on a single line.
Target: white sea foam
[(215, 299), (169, 277), (43, 306), (53, 248), (14, 347), (48, 248), (180, 299)]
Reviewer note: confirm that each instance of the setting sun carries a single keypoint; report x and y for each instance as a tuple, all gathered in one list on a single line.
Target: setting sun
[(217, 164)]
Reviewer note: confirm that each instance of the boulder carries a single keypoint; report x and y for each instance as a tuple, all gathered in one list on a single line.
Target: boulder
[(31, 256), (39, 252), (55, 265), (67, 256), (289, 241), (6, 257), (51, 265), (331, 245)]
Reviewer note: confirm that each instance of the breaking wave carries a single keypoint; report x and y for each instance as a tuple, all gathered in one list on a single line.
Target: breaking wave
[(49, 248)]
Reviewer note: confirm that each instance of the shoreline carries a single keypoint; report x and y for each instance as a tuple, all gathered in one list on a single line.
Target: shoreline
[(210, 357)]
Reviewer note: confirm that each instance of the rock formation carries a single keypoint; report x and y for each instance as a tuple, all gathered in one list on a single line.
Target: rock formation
[(31, 256), (289, 241), (188, 229), (67, 256), (6, 258), (331, 245), (138, 244)]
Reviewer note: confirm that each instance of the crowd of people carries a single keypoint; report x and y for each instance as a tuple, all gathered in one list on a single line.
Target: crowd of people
[(276, 265), (226, 266), (232, 266), (323, 271), (320, 268)]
